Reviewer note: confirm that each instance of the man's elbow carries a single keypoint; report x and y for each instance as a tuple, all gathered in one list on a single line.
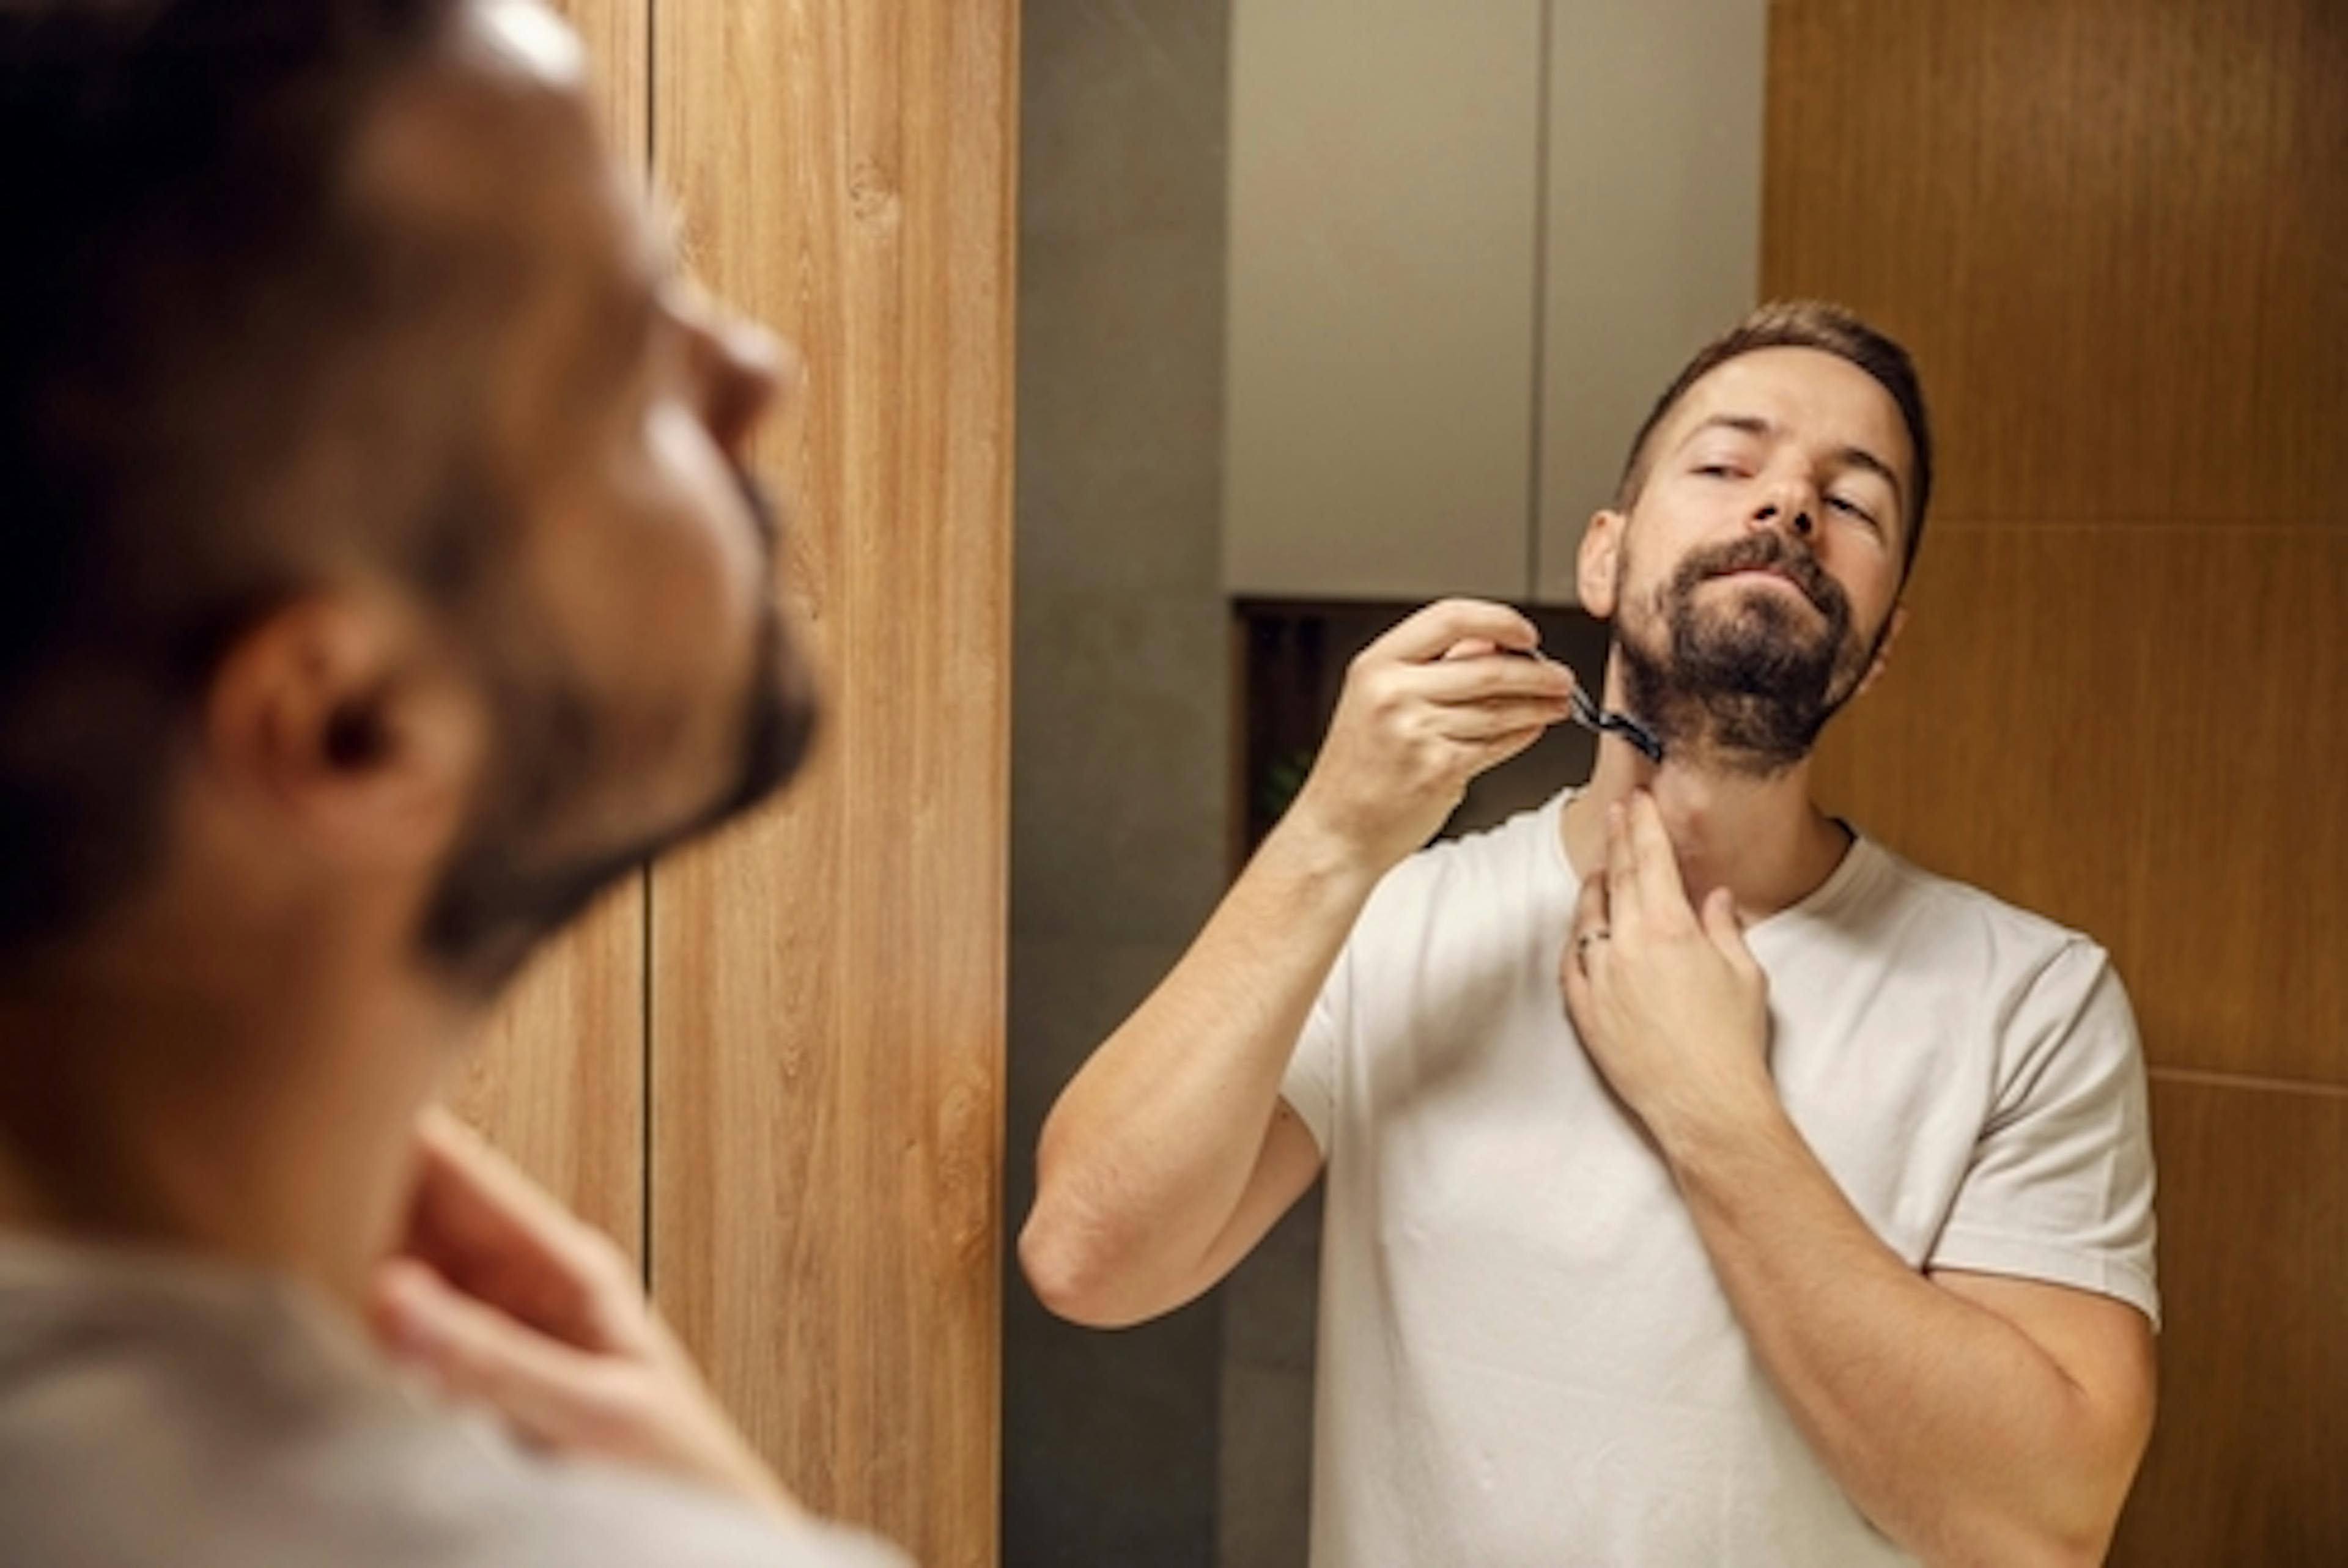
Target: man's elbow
[(2074, 1531), (1071, 1273)]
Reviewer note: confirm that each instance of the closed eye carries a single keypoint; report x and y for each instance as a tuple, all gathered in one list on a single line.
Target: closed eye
[(1720, 471), (1846, 504)]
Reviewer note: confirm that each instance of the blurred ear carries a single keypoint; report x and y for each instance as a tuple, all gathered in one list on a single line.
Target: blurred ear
[(1882, 651), (339, 716), (1598, 566)]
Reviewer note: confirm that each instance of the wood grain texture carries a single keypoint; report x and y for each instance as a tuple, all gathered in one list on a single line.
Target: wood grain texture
[(2245, 1464), (827, 991), (559, 1081), (2112, 231), (2139, 732)]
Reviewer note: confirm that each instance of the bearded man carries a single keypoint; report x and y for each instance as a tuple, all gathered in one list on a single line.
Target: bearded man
[(385, 576), (1706, 1184)]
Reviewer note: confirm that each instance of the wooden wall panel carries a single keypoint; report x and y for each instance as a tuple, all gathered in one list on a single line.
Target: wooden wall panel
[(559, 1083), (2111, 230), (828, 980), (2245, 1464), (2136, 730)]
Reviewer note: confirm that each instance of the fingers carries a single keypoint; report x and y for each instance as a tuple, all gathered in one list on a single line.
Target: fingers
[(550, 1392), (1489, 678), (1653, 862), (1590, 919), (1425, 635), (1593, 917), (1475, 723), (483, 1224), (1727, 932), (1623, 888)]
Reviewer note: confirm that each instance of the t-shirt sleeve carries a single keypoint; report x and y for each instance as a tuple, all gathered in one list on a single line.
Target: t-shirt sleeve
[(1310, 1086), (2061, 1182)]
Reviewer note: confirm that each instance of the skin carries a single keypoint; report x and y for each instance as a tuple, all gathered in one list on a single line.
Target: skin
[(247, 1048), (1974, 1419)]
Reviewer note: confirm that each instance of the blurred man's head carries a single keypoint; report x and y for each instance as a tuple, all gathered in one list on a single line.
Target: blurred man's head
[(1766, 519), (376, 522)]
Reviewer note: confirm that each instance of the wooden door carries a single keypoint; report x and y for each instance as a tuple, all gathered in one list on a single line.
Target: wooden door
[(2112, 234), (828, 980)]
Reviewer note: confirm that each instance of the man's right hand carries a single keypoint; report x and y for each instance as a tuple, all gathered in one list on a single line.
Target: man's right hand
[(1437, 700), (504, 1300)]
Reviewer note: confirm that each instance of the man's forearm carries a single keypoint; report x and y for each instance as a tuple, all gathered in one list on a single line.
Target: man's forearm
[(1955, 1432), (1148, 1153)]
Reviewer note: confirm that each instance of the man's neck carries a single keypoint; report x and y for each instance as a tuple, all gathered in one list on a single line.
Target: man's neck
[(1759, 836), (271, 1129)]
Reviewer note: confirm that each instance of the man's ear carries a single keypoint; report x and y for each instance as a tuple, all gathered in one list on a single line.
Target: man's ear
[(1882, 659), (340, 715), (1598, 566)]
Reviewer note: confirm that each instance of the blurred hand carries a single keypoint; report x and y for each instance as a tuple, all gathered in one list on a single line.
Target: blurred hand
[(1670, 1003), (504, 1300), (1437, 700)]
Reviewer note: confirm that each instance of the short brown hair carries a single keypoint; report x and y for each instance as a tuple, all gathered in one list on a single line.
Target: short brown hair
[(185, 272), (1831, 329)]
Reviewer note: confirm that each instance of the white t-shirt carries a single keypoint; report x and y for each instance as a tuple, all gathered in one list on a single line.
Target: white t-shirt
[(159, 1410), (1526, 1360)]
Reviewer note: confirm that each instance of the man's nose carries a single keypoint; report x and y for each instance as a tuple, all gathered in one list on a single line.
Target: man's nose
[(1791, 507)]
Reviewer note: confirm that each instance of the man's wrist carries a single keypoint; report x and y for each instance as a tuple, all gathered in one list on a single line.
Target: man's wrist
[(1306, 848), (1705, 1129)]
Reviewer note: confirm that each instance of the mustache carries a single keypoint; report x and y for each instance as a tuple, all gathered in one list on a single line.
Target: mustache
[(1769, 551)]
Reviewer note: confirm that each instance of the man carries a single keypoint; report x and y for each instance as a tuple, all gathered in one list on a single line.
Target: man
[(1706, 1185), (381, 579)]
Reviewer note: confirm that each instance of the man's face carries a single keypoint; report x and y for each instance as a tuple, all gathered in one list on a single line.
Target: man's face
[(642, 677), (1757, 576)]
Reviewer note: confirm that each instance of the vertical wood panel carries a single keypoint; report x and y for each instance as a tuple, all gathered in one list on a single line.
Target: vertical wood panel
[(2245, 1464), (2111, 229), (2136, 730), (827, 990), (559, 1083)]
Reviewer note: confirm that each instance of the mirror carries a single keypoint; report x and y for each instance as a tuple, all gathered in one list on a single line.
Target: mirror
[(1328, 310)]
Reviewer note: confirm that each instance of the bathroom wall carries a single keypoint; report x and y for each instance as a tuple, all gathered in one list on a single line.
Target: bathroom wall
[(1120, 720)]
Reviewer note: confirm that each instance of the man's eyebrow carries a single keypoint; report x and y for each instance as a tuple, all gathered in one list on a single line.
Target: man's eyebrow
[(1748, 424)]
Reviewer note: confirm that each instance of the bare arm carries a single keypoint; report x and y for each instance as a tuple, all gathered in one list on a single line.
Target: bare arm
[(1974, 1419), (1169, 1154)]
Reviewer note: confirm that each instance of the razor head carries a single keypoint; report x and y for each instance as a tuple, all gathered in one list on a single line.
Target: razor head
[(1643, 739)]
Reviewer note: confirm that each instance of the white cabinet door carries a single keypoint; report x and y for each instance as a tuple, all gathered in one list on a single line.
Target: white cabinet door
[(1384, 198), (1653, 233)]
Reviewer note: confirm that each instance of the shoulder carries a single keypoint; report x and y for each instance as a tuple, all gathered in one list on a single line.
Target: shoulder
[(2031, 974), (1956, 919)]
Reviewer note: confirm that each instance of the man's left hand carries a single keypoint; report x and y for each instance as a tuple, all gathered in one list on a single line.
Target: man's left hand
[(1669, 1002)]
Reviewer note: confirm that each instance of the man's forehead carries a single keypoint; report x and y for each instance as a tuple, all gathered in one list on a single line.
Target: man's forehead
[(495, 144), (525, 38), (1806, 392)]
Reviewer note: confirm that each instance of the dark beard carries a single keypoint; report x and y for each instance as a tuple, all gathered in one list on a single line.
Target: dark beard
[(494, 905), (1747, 686)]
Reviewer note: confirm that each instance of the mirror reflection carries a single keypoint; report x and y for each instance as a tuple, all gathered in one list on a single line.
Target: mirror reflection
[(1743, 1155)]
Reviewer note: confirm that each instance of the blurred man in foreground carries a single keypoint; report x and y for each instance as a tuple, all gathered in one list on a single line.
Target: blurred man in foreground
[(382, 579)]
